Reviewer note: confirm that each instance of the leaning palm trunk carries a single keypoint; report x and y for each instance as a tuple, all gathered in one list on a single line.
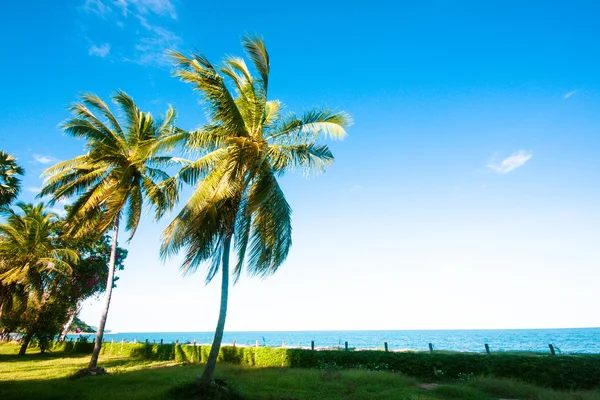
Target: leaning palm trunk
[(26, 340), (72, 313), (109, 286), (211, 363)]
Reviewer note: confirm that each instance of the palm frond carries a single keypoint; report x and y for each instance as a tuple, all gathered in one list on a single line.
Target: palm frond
[(312, 158), (257, 51), (206, 80), (310, 126)]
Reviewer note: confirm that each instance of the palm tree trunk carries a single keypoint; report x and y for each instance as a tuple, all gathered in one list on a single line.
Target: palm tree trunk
[(72, 313), (25, 344), (211, 363), (109, 286)]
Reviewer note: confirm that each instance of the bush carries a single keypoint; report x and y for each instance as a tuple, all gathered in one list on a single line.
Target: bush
[(566, 372)]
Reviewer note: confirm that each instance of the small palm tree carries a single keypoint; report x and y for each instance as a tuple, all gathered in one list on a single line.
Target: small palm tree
[(244, 147), (10, 184), (120, 171), (31, 259)]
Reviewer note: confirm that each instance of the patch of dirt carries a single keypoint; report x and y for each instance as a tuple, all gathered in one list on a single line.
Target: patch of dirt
[(428, 386), (89, 372)]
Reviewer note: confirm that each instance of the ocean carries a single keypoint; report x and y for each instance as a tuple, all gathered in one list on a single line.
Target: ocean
[(575, 340)]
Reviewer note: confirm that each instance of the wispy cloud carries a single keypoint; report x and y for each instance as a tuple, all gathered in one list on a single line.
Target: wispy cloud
[(43, 159), (97, 7), (99, 51), (58, 211), (152, 47), (33, 189), (143, 24), (159, 7), (568, 95), (510, 163)]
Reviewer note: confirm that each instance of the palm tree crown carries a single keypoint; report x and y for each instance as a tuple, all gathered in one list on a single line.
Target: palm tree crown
[(28, 247), (10, 184), (121, 167), (246, 144), (30, 256)]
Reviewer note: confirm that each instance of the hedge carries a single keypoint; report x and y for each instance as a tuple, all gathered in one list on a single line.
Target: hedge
[(566, 372)]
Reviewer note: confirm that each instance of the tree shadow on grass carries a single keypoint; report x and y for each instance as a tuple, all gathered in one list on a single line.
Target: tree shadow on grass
[(38, 356), (149, 382)]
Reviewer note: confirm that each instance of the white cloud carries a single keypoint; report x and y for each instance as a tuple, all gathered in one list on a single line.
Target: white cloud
[(159, 7), (141, 20), (96, 7), (568, 95), (510, 163), (151, 48), (58, 211), (100, 51), (43, 159), (33, 189)]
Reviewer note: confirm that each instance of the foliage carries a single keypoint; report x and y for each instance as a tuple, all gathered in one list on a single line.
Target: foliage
[(566, 372), (34, 273), (45, 274), (137, 378), (10, 184), (246, 145), (121, 169), (82, 326), (90, 273)]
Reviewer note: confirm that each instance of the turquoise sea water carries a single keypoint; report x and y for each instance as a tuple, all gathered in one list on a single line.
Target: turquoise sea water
[(577, 340)]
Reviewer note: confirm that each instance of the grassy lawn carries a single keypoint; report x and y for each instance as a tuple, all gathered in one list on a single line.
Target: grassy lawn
[(37, 376)]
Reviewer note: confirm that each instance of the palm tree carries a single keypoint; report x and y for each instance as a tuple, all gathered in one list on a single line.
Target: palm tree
[(120, 171), (245, 145), (10, 184), (31, 258)]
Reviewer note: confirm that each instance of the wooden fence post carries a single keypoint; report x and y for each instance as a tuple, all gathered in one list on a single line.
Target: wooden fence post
[(255, 351), (146, 342), (233, 343), (435, 372), (312, 344), (385, 345), (346, 346), (552, 349), (161, 342), (487, 349)]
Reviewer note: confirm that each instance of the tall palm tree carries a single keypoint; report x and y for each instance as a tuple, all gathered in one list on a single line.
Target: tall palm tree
[(10, 184), (120, 171), (31, 258), (244, 146)]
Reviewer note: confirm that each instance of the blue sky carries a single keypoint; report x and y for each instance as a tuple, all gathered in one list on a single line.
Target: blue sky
[(466, 196)]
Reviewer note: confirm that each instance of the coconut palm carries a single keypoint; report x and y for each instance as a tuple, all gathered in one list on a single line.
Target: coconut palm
[(31, 258), (10, 184), (120, 171), (245, 145)]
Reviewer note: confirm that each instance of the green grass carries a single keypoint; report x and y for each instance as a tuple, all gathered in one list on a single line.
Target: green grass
[(37, 376)]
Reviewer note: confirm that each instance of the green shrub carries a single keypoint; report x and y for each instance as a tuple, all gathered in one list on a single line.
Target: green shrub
[(566, 372)]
